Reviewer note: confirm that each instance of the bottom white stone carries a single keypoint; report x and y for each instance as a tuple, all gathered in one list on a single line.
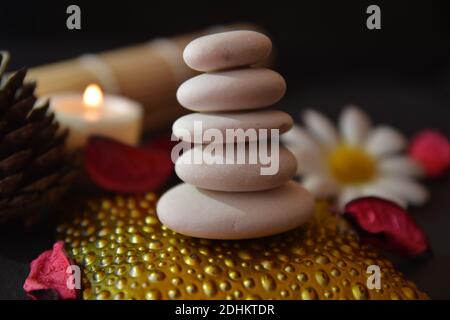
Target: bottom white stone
[(234, 215)]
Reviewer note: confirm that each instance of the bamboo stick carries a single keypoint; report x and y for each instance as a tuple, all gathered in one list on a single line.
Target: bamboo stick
[(148, 72)]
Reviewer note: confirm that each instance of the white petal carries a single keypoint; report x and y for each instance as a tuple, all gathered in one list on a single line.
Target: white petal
[(377, 191), (348, 194), (400, 166), (308, 161), (321, 128), (354, 125), (404, 188), (384, 140), (321, 186), (305, 149), (297, 136)]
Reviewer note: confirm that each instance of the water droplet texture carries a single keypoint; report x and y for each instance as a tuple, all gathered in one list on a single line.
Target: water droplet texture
[(320, 260)]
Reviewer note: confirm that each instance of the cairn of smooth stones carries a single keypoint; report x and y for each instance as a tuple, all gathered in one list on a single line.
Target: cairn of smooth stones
[(233, 201)]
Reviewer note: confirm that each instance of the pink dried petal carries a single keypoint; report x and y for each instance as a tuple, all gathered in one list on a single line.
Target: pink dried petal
[(49, 276), (387, 225), (431, 149)]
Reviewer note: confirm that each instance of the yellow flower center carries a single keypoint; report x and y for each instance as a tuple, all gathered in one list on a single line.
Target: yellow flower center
[(351, 165)]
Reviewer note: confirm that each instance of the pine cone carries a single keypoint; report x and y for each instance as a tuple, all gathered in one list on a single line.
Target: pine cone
[(34, 167)]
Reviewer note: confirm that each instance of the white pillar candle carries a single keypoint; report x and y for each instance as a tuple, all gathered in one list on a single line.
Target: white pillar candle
[(93, 113)]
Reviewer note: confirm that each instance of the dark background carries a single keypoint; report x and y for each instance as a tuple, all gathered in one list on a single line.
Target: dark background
[(399, 74)]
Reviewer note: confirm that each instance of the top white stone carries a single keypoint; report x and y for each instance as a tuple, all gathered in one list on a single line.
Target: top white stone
[(227, 50)]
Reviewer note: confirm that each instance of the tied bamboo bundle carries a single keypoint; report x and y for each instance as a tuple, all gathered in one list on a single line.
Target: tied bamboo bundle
[(149, 73)]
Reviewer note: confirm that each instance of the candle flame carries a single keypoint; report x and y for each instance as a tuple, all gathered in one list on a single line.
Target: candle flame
[(93, 96)]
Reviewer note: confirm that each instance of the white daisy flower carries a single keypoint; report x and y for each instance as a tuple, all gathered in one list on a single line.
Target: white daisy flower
[(355, 160)]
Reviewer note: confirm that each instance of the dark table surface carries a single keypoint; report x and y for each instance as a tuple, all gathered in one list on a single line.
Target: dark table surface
[(400, 75), (404, 103)]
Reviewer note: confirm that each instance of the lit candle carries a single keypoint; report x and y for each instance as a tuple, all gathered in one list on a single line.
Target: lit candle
[(93, 113)]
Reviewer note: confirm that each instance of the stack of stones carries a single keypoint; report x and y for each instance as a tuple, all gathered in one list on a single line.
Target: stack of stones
[(232, 201)]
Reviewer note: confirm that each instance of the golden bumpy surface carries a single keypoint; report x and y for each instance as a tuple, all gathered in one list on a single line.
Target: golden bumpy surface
[(126, 253)]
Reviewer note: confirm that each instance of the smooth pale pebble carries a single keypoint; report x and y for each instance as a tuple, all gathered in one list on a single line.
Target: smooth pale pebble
[(183, 127), (232, 90), (234, 177), (227, 50), (234, 215)]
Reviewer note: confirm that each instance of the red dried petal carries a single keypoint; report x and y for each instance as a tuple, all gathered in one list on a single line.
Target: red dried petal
[(162, 143), (431, 149), (49, 275), (386, 225), (122, 168)]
